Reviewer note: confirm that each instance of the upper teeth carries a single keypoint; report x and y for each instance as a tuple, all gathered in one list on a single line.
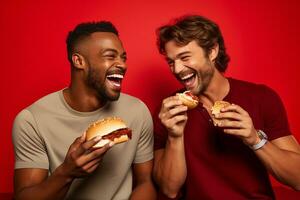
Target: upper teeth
[(187, 76), (115, 76)]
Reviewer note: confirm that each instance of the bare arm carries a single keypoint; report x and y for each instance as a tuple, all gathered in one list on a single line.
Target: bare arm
[(144, 188), (280, 156), (81, 160), (35, 184), (169, 163)]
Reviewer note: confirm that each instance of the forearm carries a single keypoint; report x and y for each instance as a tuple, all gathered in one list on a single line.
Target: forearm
[(170, 172), (144, 191), (284, 165), (55, 186)]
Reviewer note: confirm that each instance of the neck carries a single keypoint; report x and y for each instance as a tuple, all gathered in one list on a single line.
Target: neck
[(81, 98), (217, 89)]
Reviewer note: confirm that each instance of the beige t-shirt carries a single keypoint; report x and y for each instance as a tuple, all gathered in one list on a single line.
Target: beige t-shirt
[(43, 132)]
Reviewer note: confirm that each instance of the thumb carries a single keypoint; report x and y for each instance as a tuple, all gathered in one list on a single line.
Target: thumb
[(78, 141), (83, 137)]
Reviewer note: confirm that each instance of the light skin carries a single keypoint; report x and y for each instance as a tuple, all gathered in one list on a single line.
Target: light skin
[(99, 62), (280, 156)]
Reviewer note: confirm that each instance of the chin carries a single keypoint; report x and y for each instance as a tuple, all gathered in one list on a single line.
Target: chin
[(113, 96), (108, 95)]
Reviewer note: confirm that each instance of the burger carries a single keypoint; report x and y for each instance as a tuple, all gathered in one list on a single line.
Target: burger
[(188, 99), (216, 109), (111, 129)]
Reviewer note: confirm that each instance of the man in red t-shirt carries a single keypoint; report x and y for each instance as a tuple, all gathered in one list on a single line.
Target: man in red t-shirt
[(231, 159)]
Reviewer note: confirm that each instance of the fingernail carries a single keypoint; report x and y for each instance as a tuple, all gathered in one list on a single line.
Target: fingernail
[(97, 138), (111, 144)]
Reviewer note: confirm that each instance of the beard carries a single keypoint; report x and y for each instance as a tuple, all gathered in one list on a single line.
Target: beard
[(94, 81), (204, 79)]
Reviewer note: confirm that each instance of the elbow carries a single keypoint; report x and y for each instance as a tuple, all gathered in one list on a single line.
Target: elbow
[(168, 189), (170, 193)]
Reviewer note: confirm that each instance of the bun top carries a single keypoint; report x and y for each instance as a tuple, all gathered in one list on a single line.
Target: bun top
[(105, 127), (216, 109), (189, 95)]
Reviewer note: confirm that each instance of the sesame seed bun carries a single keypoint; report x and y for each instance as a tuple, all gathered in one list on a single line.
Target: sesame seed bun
[(106, 128)]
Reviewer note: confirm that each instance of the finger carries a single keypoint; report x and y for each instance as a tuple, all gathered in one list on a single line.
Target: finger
[(234, 108), (83, 137), (179, 110), (230, 124), (93, 168), (90, 164), (229, 115), (87, 146), (171, 102), (236, 132), (92, 154), (77, 142), (176, 120)]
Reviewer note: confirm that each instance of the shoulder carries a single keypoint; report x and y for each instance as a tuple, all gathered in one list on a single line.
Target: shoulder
[(131, 102), (47, 99), (251, 88), (28, 114)]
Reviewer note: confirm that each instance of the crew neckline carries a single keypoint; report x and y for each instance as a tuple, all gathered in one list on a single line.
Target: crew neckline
[(76, 112)]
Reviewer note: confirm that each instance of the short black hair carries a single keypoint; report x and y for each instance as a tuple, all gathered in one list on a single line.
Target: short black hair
[(84, 30)]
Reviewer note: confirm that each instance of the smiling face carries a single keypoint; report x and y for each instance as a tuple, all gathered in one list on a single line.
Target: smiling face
[(190, 65), (105, 66)]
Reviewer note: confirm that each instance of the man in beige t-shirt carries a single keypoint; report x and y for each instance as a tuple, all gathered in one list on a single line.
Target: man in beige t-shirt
[(53, 158)]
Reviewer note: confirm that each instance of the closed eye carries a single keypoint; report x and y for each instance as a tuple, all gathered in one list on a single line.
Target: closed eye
[(185, 58), (170, 62), (124, 58)]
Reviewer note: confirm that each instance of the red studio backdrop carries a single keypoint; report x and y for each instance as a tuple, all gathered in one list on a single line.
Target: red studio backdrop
[(262, 38)]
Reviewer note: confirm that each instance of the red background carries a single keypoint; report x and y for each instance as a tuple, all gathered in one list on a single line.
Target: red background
[(262, 38)]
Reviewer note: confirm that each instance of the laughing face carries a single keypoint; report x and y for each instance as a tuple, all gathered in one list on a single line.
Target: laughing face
[(190, 65), (105, 65)]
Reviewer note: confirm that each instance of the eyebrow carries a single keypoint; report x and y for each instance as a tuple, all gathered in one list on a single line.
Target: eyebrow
[(113, 50), (179, 55), (107, 50)]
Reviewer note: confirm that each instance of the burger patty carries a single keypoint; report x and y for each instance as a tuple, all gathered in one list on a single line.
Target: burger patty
[(118, 133)]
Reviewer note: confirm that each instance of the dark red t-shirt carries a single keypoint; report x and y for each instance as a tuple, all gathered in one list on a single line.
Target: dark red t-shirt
[(221, 166)]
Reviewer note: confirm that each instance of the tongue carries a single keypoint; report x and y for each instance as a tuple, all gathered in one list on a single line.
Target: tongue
[(189, 82), (115, 81)]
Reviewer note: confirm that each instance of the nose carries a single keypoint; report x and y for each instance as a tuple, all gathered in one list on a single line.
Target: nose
[(121, 63), (178, 66)]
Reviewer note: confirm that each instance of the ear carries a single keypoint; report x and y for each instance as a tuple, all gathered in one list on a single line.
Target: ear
[(78, 61), (214, 52)]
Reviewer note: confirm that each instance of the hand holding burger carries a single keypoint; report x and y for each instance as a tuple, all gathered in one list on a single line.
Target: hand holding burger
[(188, 99), (216, 109), (111, 129)]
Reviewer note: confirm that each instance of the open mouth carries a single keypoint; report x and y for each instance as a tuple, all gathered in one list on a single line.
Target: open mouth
[(188, 79), (115, 80)]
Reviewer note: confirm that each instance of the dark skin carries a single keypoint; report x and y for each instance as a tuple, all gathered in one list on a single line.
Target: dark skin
[(103, 53)]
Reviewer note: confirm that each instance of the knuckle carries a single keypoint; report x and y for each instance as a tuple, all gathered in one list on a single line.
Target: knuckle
[(77, 163), (73, 156)]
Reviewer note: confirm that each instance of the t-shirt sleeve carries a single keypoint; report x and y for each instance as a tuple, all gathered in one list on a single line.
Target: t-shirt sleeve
[(160, 133), (29, 148), (274, 115), (145, 144)]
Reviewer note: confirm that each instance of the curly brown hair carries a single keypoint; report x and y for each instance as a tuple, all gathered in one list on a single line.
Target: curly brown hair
[(193, 27)]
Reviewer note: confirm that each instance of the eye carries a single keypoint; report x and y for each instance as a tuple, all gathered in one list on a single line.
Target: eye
[(185, 58), (170, 62), (124, 58), (110, 56)]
